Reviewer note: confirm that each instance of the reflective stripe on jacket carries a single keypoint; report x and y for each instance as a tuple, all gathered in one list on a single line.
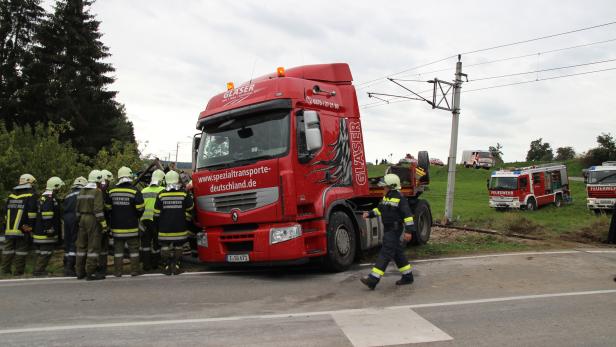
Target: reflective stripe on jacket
[(172, 213), (126, 205), (21, 210)]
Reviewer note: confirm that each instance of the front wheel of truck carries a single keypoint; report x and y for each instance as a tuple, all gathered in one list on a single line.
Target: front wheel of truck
[(340, 242), (423, 223)]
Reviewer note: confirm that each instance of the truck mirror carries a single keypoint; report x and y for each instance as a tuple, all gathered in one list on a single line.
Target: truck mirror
[(312, 129), (195, 150)]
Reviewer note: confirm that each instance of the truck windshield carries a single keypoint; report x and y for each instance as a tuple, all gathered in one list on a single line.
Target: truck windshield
[(485, 155), (596, 177), (244, 139), (504, 183)]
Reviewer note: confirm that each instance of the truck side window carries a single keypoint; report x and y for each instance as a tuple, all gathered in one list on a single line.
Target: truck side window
[(536, 178), (302, 151), (523, 183)]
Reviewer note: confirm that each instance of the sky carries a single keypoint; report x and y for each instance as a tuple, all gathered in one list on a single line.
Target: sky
[(172, 56)]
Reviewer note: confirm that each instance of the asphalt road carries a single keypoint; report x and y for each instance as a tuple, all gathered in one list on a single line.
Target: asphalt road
[(563, 298)]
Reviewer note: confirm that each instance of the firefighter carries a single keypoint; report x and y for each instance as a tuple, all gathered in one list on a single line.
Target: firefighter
[(91, 215), (396, 215), (125, 204), (21, 212), (106, 239), (48, 226), (172, 214), (150, 249), (611, 236), (71, 226)]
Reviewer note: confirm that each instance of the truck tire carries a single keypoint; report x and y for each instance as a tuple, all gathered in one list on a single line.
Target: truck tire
[(531, 205), (423, 161), (558, 200), (423, 223), (341, 242)]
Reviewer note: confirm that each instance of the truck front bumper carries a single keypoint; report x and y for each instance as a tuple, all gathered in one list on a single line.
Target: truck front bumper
[(511, 203), (600, 204)]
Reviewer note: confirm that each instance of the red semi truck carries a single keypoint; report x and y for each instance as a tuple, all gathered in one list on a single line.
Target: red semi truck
[(280, 172)]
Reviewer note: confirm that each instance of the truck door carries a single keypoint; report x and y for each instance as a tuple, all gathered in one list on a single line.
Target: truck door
[(523, 188), (539, 188)]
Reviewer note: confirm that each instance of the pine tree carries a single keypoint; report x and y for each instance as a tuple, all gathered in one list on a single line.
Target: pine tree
[(19, 21), (69, 80)]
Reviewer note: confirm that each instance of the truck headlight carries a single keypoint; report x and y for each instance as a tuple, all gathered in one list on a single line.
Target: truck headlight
[(285, 233), (202, 239)]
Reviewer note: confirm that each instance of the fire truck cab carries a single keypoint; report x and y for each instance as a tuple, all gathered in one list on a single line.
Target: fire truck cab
[(529, 187), (601, 186)]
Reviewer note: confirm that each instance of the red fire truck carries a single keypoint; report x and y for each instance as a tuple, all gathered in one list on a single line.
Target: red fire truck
[(601, 186), (280, 172), (529, 187)]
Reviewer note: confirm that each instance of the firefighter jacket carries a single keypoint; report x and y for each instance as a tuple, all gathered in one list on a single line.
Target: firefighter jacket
[(90, 202), (172, 214), (394, 211), (48, 221), (125, 204), (69, 204), (21, 211), (149, 197)]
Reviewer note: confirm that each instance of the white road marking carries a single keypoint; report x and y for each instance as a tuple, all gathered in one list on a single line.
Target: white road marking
[(383, 328), (299, 314)]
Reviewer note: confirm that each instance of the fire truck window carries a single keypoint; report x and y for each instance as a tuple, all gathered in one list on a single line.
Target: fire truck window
[(523, 183), (537, 178)]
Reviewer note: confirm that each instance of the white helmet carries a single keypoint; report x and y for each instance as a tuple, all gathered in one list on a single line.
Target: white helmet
[(26, 178), (95, 176), (157, 177), (54, 183), (80, 181), (392, 181), (107, 175), (172, 177)]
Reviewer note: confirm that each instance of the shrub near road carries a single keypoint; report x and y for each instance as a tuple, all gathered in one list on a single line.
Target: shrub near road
[(571, 222)]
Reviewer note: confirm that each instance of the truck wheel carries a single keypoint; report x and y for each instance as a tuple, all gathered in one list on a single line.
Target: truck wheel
[(531, 205), (558, 200), (423, 223), (476, 166), (340, 242), (466, 165), (423, 161)]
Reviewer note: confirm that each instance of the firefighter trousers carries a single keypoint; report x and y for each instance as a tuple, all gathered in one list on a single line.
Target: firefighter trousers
[(171, 250), (15, 249), (88, 245), (102, 256), (392, 250), (70, 239), (42, 254), (118, 253), (150, 249)]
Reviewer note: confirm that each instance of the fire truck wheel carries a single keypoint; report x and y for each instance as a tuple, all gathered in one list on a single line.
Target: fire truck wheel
[(423, 223), (558, 200), (531, 205), (340, 242)]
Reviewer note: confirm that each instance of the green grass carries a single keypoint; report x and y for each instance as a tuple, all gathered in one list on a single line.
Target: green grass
[(471, 204), (467, 244)]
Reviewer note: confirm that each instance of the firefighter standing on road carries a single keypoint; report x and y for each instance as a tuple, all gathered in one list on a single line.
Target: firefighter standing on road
[(396, 215), (150, 249), (92, 224), (106, 240), (172, 214), (69, 210), (126, 205), (21, 212), (48, 226)]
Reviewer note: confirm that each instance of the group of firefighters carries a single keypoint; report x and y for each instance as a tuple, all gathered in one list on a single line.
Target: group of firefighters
[(151, 224)]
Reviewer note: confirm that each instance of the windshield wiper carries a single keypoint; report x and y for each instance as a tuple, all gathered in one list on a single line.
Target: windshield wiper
[(606, 177), (254, 159)]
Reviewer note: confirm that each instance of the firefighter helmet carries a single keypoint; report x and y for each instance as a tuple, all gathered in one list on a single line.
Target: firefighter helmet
[(80, 181), (172, 177), (157, 177), (392, 181), (125, 172), (54, 183), (26, 178), (107, 175), (95, 176)]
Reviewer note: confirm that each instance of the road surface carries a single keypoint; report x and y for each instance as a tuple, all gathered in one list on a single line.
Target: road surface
[(563, 298)]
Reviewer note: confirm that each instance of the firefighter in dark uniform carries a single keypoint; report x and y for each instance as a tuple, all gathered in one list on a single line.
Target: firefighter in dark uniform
[(69, 210), (172, 215), (21, 212), (48, 226), (396, 216), (92, 224), (611, 235), (126, 205)]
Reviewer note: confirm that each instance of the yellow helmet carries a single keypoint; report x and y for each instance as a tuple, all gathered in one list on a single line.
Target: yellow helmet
[(172, 177), (392, 181), (107, 175), (26, 178), (54, 183), (95, 176), (125, 172), (157, 176), (80, 181)]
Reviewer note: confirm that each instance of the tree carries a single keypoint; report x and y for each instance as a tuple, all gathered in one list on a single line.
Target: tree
[(496, 152), (606, 151), (565, 153), (539, 151), (69, 80), (19, 21)]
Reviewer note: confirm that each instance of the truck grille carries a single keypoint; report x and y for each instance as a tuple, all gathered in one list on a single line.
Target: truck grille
[(243, 201)]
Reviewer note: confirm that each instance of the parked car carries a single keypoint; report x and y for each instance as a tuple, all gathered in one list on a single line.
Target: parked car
[(436, 162)]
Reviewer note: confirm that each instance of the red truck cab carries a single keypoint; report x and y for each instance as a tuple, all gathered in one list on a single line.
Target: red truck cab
[(280, 173)]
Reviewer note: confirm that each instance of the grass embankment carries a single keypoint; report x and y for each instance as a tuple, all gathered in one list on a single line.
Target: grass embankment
[(572, 222)]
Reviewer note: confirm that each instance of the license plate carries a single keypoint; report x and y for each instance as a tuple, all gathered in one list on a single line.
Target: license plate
[(605, 202), (238, 258)]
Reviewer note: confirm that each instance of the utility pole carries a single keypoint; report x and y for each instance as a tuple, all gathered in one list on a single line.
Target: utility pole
[(453, 146), (177, 149)]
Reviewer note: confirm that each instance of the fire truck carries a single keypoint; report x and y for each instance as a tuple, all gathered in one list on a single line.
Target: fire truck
[(601, 186), (280, 174), (529, 187)]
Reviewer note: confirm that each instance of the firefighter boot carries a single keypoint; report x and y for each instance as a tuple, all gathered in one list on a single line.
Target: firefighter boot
[(406, 279), (95, 277), (117, 266), (69, 267), (146, 259), (102, 264), (167, 269), (177, 267), (80, 267), (135, 267), (370, 281)]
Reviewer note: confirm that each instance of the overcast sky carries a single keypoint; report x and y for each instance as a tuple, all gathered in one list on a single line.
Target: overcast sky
[(172, 56)]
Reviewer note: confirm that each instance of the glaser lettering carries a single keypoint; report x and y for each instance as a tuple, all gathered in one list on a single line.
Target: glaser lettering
[(238, 91), (358, 153)]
